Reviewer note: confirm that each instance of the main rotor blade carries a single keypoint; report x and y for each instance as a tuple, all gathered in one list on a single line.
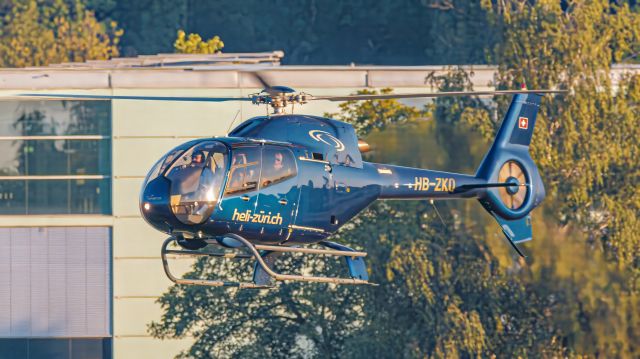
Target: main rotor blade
[(265, 84), (51, 96), (426, 95), (272, 90)]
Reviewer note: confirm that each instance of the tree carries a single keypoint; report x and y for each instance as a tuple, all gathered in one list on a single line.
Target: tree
[(193, 44), (586, 144), (290, 320), (586, 150), (38, 32), (366, 116)]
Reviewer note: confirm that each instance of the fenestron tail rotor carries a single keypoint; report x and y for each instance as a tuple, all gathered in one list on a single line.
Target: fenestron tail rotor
[(513, 197)]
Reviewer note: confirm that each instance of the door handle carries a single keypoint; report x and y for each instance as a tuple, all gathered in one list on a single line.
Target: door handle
[(283, 201), (245, 198)]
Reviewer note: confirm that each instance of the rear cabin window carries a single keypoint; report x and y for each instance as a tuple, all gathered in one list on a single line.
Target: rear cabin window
[(245, 171), (278, 165)]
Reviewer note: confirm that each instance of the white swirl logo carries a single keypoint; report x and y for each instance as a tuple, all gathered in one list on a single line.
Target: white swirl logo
[(327, 138)]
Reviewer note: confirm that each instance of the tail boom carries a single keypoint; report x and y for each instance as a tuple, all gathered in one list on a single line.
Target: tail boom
[(507, 183), (415, 183)]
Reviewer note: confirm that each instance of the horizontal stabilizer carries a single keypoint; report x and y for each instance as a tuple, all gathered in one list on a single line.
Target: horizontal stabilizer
[(356, 265), (516, 231)]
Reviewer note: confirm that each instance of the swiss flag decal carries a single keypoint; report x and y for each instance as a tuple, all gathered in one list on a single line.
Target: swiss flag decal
[(523, 123)]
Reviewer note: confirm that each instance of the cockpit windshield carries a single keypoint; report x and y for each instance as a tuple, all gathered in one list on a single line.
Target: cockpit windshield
[(197, 177)]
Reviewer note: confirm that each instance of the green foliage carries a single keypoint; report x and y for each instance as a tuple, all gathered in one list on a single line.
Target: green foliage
[(443, 293), (313, 32), (37, 33), (585, 146), (366, 116), (193, 44), (585, 143), (288, 321)]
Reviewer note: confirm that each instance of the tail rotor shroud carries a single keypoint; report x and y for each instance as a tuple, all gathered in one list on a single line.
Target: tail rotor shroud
[(514, 196), (508, 161)]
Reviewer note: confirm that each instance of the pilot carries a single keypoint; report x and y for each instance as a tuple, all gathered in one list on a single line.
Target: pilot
[(197, 159), (187, 175), (204, 195)]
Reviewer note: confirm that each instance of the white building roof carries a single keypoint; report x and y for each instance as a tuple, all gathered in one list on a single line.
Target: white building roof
[(226, 70)]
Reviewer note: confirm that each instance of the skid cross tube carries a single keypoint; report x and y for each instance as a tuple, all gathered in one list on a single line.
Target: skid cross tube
[(254, 252), (293, 277), (203, 254), (310, 250), (206, 282)]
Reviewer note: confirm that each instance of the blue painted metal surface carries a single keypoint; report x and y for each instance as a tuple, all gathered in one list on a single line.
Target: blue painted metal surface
[(328, 183), (356, 265)]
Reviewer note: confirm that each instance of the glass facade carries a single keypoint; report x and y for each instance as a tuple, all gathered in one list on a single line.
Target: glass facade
[(64, 348), (55, 157)]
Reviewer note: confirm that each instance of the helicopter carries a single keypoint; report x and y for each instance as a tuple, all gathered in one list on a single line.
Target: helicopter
[(278, 183)]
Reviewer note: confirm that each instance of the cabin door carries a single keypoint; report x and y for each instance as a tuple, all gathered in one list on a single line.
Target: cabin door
[(241, 192), (279, 193)]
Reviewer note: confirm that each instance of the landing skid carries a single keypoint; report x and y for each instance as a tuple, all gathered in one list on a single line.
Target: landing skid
[(265, 255)]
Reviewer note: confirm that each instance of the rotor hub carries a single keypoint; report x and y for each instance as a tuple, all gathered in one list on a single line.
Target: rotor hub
[(516, 185), (279, 97)]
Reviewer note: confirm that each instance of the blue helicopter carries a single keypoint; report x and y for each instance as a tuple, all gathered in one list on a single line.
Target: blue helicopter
[(278, 183)]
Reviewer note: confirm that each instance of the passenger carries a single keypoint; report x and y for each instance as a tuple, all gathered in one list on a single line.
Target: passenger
[(206, 177), (278, 164), (239, 159), (190, 176), (280, 169)]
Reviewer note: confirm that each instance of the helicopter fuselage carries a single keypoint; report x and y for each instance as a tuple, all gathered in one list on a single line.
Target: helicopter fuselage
[(280, 180)]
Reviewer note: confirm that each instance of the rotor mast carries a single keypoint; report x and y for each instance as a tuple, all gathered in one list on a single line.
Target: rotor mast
[(279, 97)]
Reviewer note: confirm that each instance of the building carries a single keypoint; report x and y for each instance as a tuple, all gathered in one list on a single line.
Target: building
[(79, 269)]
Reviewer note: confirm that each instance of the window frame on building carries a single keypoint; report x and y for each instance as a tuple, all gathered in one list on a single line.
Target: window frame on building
[(25, 190)]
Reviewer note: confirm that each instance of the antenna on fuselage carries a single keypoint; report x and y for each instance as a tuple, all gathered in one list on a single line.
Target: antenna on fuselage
[(433, 203), (232, 122)]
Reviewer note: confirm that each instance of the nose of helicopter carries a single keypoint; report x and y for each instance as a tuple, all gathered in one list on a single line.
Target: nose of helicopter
[(154, 204), (182, 189)]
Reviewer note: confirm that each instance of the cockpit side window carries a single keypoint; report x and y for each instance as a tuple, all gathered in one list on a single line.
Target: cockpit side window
[(166, 161), (278, 165), (244, 174)]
